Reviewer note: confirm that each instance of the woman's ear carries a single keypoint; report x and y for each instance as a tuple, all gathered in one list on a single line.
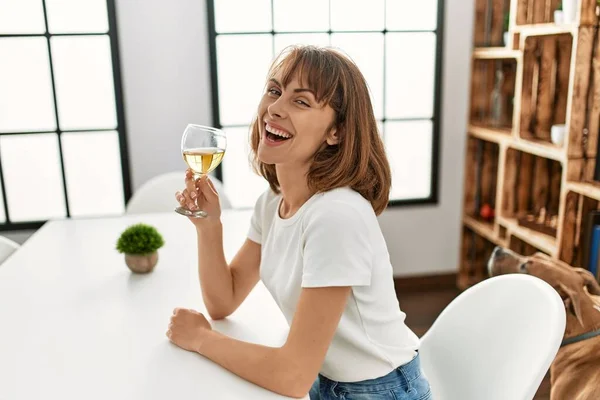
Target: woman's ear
[(333, 137)]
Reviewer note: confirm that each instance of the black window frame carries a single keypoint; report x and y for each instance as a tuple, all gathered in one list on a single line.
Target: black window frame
[(121, 127)]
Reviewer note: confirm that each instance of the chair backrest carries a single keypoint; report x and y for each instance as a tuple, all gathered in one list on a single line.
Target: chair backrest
[(158, 194), (7, 247), (495, 341)]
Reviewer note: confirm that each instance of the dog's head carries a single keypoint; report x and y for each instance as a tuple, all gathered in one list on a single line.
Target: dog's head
[(572, 284)]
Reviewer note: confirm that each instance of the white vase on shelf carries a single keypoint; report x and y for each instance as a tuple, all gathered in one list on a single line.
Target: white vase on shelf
[(559, 17), (569, 10), (557, 134)]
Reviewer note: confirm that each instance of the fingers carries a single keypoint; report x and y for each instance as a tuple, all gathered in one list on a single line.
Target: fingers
[(188, 197), (180, 199), (190, 185), (208, 189), (189, 203)]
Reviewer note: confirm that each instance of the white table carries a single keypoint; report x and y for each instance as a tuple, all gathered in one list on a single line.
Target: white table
[(76, 324)]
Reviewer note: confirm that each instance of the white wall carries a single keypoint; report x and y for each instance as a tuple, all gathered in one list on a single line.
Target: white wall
[(166, 82), (166, 79)]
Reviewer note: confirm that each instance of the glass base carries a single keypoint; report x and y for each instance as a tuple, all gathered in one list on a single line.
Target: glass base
[(190, 213)]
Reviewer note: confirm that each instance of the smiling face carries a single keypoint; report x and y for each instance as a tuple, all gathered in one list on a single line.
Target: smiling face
[(316, 119), (293, 123)]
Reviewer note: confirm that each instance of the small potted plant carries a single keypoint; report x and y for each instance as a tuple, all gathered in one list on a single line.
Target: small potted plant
[(140, 243)]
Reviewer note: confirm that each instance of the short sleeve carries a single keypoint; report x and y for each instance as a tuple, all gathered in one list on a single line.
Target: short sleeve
[(337, 249), (255, 230)]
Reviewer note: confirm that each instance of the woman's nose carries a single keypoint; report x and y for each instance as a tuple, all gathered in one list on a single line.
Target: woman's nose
[(276, 109)]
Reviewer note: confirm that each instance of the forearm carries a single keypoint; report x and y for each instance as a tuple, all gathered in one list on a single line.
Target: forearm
[(214, 274), (264, 366)]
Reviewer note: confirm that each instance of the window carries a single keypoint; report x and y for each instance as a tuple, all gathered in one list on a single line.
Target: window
[(395, 43), (62, 133)]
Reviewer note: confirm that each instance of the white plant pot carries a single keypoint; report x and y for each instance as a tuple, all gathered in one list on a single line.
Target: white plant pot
[(569, 10), (506, 37), (559, 17)]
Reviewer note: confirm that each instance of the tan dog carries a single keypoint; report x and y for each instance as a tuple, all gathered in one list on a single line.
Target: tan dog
[(575, 372)]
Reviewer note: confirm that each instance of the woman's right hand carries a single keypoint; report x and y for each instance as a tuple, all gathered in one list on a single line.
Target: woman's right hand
[(199, 194)]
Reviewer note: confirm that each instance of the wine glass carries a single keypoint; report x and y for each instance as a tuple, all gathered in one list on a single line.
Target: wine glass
[(203, 149)]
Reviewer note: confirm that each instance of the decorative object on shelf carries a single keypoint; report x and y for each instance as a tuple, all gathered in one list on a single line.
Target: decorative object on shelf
[(497, 99), (590, 242), (140, 243), (569, 8), (487, 213), (506, 34), (559, 17), (543, 222), (557, 134)]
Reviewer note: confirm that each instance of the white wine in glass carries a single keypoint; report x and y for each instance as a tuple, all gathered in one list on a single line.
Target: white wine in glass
[(203, 149)]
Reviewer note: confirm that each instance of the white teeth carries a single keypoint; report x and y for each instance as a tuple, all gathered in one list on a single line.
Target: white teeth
[(277, 132)]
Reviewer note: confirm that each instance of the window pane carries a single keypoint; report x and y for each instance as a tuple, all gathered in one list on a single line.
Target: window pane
[(409, 148), (288, 39), (243, 62), (357, 15), (31, 166), (77, 16), (366, 49), (242, 185), (410, 75), (84, 82), (411, 15), (93, 173), (309, 15), (243, 15), (21, 16), (26, 102)]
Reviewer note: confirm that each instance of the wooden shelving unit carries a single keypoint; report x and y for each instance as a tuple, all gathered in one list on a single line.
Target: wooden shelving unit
[(539, 192)]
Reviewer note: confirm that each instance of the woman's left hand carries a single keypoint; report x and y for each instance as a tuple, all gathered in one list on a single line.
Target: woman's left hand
[(188, 329)]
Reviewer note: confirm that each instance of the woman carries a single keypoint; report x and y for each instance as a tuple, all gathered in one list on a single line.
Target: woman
[(314, 241)]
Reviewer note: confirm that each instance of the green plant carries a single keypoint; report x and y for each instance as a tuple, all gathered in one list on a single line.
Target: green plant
[(140, 239), (559, 6), (507, 21)]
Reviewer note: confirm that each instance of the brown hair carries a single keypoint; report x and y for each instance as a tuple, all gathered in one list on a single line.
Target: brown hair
[(359, 159)]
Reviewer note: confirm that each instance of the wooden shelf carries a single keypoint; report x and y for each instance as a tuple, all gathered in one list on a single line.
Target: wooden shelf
[(483, 53), (485, 229), (544, 29), (587, 189), (544, 74), (543, 242), (540, 149), (496, 135), (503, 136)]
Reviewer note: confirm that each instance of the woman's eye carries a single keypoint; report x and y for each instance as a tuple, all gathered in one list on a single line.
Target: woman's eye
[(274, 92), (302, 102)]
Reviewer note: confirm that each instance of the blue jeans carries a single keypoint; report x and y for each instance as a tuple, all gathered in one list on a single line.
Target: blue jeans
[(404, 383)]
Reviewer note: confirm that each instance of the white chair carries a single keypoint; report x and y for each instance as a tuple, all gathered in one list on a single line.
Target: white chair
[(495, 341), (7, 247), (158, 194)]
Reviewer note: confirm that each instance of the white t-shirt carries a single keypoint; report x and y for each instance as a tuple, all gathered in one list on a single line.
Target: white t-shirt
[(334, 239)]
